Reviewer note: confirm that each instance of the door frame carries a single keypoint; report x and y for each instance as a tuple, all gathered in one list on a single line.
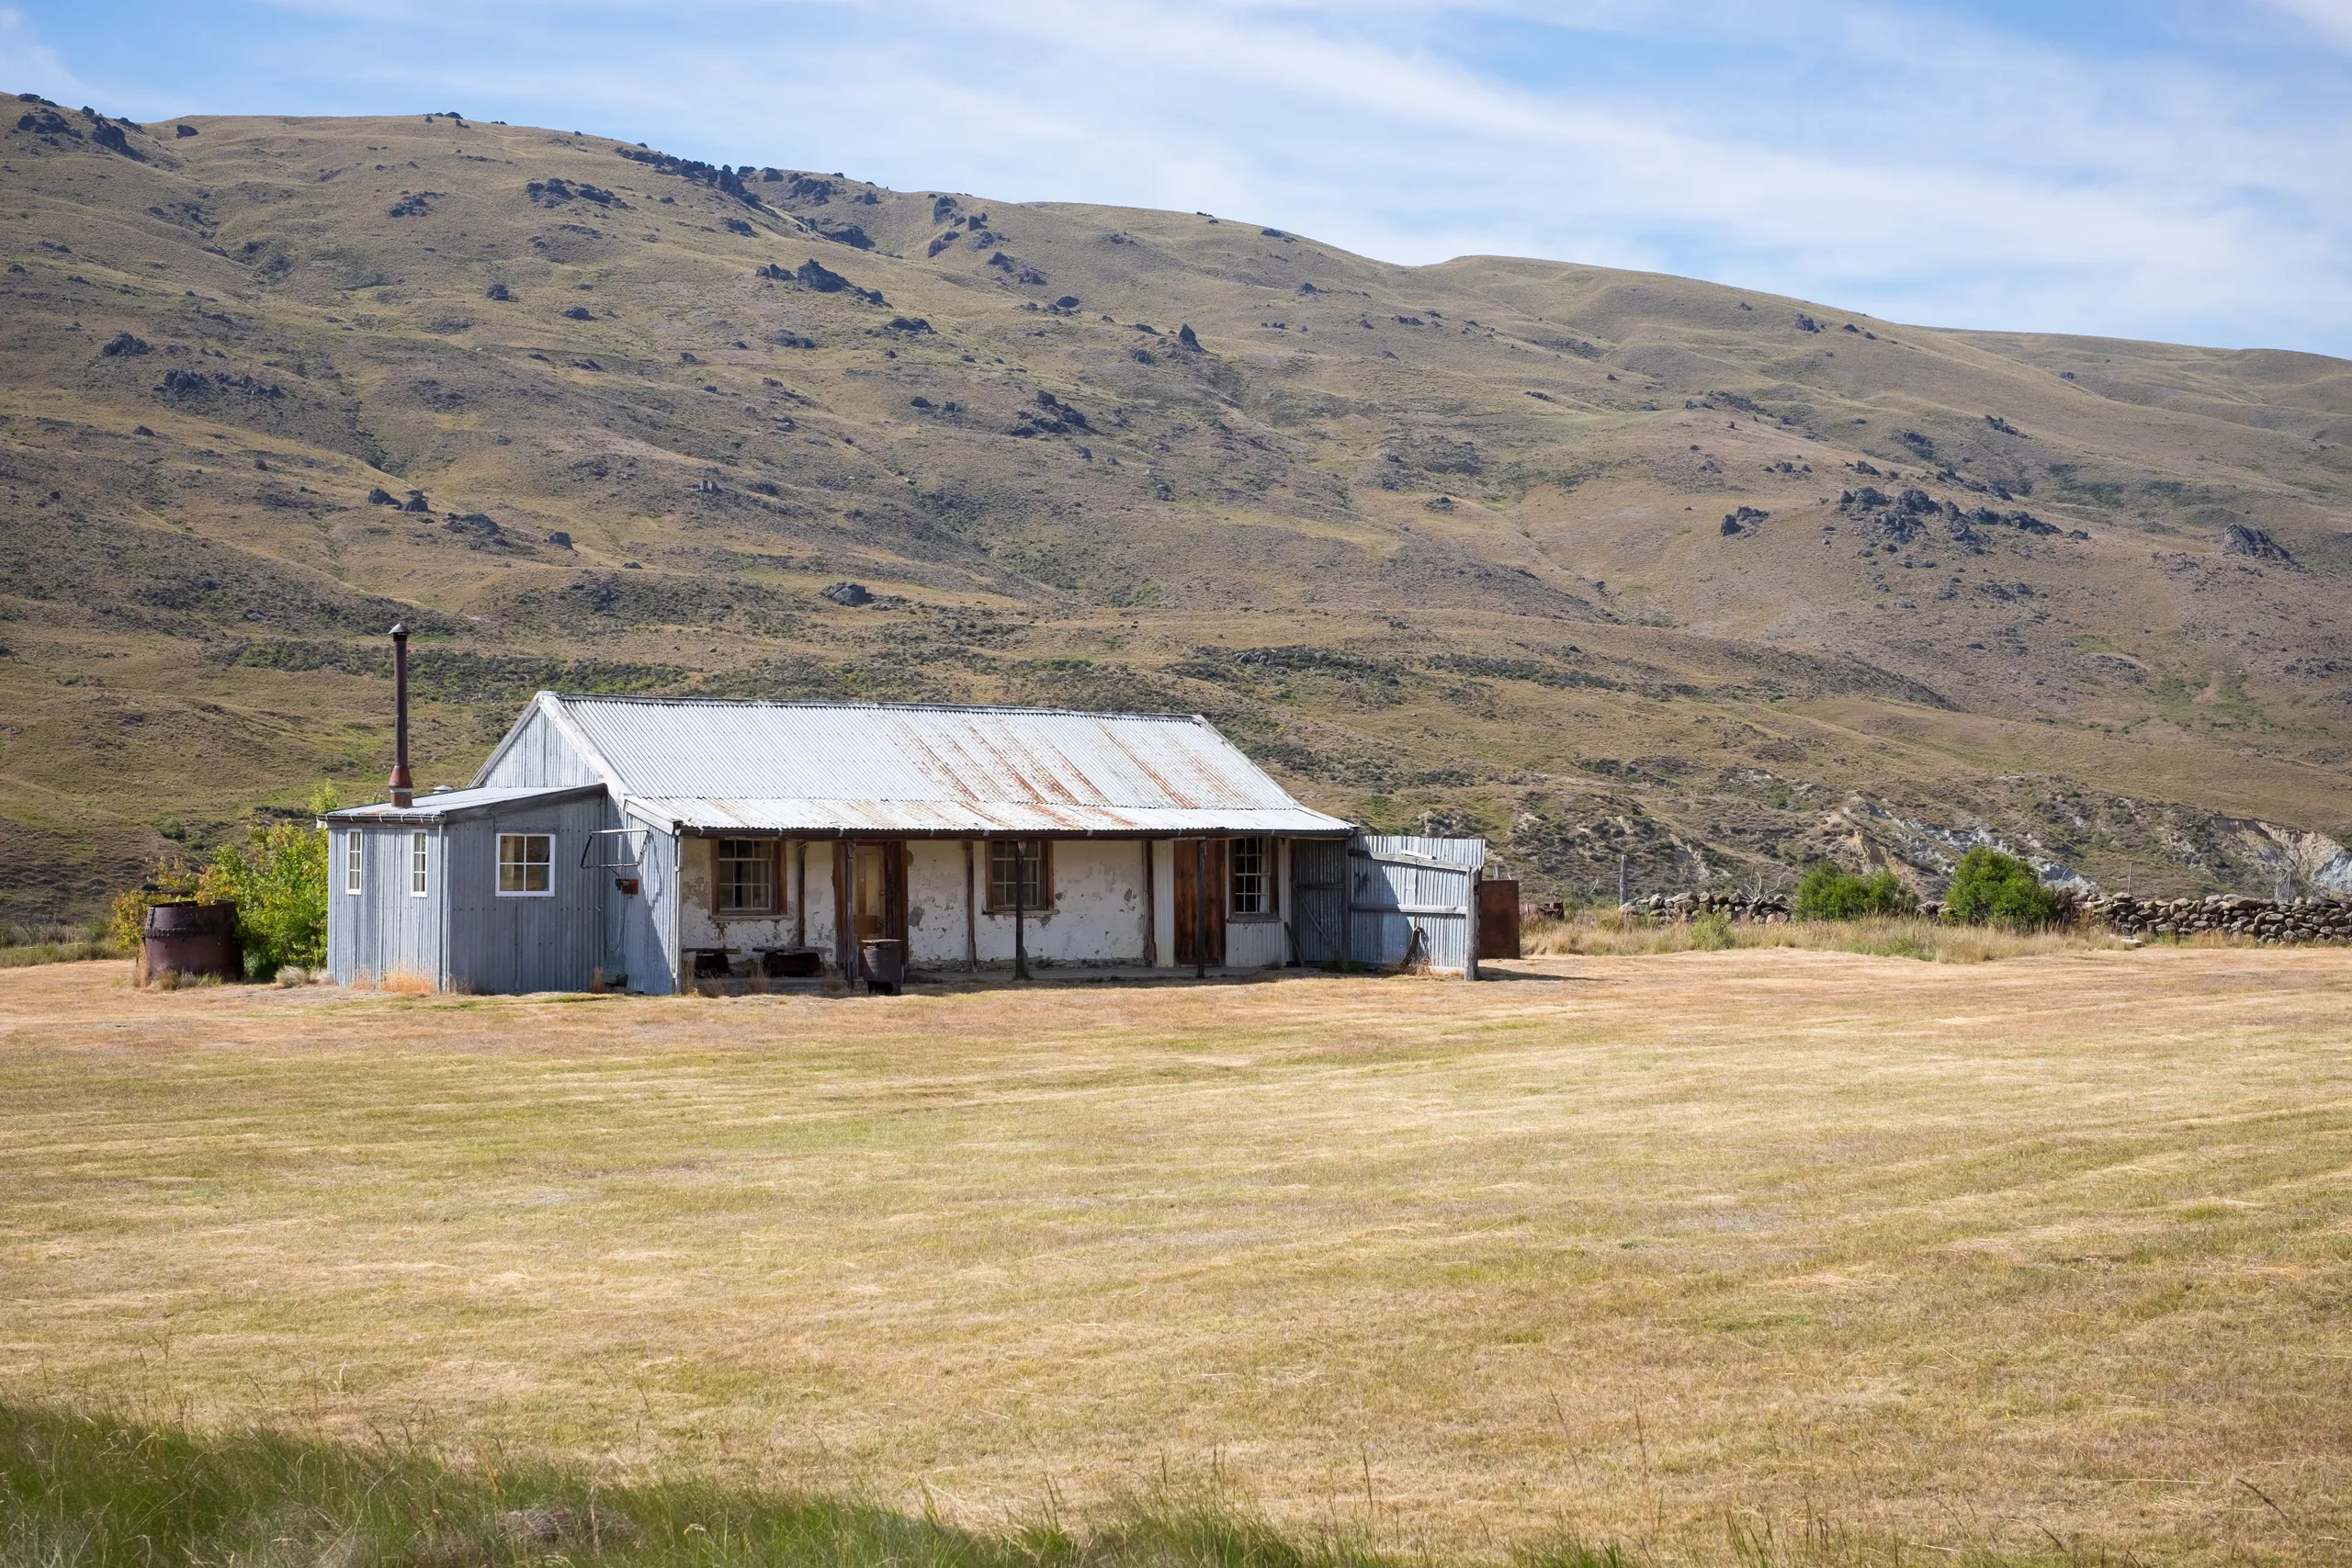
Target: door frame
[(1198, 860)]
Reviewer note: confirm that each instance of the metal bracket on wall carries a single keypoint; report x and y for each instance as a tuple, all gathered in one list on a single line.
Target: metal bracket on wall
[(606, 847)]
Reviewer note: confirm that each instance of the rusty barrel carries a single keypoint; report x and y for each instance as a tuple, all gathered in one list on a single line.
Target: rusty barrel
[(192, 939), (884, 961)]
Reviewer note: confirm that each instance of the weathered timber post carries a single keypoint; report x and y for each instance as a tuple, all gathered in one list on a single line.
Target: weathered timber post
[(1199, 909)]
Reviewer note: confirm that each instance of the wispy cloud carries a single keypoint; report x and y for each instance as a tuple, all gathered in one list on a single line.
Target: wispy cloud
[(31, 66), (2332, 19), (2168, 169)]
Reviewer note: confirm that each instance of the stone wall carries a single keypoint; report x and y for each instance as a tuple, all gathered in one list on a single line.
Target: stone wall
[(2265, 920), (1684, 905)]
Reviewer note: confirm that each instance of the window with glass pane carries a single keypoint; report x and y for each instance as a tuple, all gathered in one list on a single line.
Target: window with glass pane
[(1017, 865), (416, 865), (746, 877), (351, 861), (1254, 880), (524, 860)]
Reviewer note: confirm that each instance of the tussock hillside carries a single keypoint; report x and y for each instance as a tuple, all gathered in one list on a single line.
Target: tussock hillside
[(1599, 563)]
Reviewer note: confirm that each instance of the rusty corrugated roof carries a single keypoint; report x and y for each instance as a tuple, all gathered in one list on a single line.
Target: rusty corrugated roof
[(867, 767)]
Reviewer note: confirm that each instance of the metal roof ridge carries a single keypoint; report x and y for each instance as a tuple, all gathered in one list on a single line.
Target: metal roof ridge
[(618, 700), (979, 800)]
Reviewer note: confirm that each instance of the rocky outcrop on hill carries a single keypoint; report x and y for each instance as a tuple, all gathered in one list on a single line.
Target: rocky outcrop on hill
[(2241, 540), (1899, 520)]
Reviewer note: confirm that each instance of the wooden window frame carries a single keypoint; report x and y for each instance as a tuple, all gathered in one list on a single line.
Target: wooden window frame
[(419, 875), (355, 859), (777, 907), (525, 864), (1268, 872), (1044, 858)]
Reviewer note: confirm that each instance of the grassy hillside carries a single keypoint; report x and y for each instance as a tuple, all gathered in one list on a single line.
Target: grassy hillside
[(1443, 544)]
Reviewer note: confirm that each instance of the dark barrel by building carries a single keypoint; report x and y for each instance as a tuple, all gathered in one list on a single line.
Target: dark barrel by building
[(884, 960), (191, 939)]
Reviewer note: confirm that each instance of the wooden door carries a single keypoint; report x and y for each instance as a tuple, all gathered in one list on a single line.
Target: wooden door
[(880, 894), (1198, 942), (1498, 919)]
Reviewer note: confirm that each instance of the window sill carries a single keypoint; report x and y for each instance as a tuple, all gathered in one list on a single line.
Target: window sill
[(725, 915), (1253, 920)]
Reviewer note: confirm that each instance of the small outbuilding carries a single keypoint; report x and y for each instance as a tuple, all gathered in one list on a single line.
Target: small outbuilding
[(643, 845)]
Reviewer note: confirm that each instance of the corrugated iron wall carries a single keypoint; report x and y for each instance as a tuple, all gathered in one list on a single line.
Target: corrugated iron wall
[(506, 945), (1319, 873), (1398, 884), (384, 930)]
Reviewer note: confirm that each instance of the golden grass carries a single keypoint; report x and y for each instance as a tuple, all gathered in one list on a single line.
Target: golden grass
[(1980, 1258), (1613, 935)]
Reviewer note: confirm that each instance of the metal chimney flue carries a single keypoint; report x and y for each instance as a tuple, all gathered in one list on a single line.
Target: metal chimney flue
[(403, 787)]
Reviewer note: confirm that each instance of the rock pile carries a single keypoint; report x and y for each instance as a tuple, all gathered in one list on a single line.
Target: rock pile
[(553, 192), (2242, 540), (1671, 906), (2264, 919), (1899, 520)]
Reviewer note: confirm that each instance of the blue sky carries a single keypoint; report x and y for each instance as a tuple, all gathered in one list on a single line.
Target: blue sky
[(2176, 169)]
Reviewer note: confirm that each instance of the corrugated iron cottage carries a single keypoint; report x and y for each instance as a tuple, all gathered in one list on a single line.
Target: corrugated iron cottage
[(643, 844)]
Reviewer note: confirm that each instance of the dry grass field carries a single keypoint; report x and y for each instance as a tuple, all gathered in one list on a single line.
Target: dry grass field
[(1872, 1257)]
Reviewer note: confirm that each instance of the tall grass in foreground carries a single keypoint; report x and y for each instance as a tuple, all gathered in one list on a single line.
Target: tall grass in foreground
[(89, 1492), (83, 1491), (1607, 933)]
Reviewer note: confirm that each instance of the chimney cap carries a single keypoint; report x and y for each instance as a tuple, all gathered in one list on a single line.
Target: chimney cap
[(399, 628)]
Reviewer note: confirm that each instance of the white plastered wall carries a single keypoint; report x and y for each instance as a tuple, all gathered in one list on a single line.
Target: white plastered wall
[(1096, 917), (700, 926)]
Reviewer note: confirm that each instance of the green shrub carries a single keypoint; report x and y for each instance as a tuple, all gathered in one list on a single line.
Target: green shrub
[(169, 881), (1992, 888), (1710, 932), (278, 881), (1829, 894)]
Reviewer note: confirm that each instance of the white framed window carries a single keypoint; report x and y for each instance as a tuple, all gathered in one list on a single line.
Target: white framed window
[(1022, 866), (1252, 864), (351, 861), (526, 864), (747, 882), (416, 843)]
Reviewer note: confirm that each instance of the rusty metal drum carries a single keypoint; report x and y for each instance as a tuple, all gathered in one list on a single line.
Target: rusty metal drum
[(884, 960), (192, 939)]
